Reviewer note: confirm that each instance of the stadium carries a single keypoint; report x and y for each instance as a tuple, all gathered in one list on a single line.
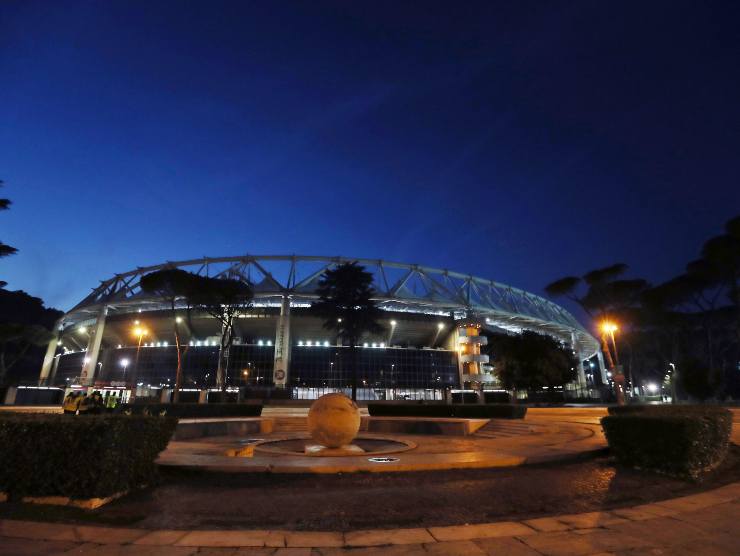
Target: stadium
[(121, 339)]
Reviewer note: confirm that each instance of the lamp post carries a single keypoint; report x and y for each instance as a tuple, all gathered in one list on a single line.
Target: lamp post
[(393, 329), (609, 328), (440, 327), (674, 378), (124, 363), (393, 381), (138, 332)]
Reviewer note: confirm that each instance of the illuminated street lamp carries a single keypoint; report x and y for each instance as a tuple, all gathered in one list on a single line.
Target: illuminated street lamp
[(124, 363), (139, 332), (608, 329), (393, 329), (440, 327)]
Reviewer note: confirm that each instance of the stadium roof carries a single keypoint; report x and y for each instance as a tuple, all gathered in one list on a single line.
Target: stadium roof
[(399, 287)]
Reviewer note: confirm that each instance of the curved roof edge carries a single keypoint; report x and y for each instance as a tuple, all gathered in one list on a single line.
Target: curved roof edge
[(412, 285)]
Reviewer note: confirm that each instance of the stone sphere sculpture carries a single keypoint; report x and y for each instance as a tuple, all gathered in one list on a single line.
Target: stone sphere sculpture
[(333, 420)]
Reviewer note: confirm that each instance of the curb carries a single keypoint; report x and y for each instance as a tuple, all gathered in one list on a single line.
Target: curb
[(44, 531)]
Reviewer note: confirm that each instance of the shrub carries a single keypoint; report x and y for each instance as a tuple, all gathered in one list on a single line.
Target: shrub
[(186, 410), (79, 456), (497, 397), (467, 411), (665, 409), (683, 441)]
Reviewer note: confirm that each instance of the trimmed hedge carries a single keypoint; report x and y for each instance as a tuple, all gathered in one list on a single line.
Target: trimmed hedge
[(466, 411), (80, 456), (186, 410), (665, 409), (683, 441)]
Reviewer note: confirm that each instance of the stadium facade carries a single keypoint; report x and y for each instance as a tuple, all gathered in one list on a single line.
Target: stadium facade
[(435, 325)]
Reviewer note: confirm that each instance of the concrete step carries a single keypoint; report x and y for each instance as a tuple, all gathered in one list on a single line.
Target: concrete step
[(290, 424), (500, 429)]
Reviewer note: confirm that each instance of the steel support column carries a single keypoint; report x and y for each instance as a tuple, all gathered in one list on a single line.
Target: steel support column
[(51, 351), (90, 364), (581, 370), (602, 368), (282, 345)]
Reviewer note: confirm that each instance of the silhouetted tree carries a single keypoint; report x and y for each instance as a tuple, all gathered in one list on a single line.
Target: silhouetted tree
[(225, 299), (25, 325), (692, 312), (531, 361), (696, 381), (5, 249), (346, 304), (720, 263), (21, 337), (605, 297), (172, 285)]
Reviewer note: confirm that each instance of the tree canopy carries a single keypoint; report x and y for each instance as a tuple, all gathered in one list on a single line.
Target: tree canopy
[(5, 250), (168, 283), (690, 322), (25, 329), (225, 299), (531, 361)]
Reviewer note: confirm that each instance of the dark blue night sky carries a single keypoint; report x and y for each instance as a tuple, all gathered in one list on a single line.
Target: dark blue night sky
[(520, 141)]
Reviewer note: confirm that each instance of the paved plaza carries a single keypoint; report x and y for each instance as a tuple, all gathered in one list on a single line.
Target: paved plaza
[(698, 524), (703, 524)]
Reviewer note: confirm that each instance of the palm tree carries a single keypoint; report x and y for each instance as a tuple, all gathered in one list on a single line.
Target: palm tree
[(346, 304)]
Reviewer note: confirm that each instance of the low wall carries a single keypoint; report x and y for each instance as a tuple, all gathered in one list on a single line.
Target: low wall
[(188, 429), (422, 425)]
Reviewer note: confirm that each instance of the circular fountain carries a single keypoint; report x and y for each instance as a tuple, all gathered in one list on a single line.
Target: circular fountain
[(333, 424)]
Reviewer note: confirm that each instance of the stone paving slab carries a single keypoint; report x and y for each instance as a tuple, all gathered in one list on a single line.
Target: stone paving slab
[(589, 520), (314, 539), (481, 531), (696, 525), (379, 537), (108, 535), (161, 538), (546, 524), (505, 546), (18, 546), (223, 538)]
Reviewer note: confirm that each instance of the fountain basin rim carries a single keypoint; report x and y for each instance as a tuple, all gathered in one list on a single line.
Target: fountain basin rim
[(402, 445)]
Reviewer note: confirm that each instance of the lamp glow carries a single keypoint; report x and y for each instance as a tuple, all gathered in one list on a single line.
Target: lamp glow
[(609, 327)]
